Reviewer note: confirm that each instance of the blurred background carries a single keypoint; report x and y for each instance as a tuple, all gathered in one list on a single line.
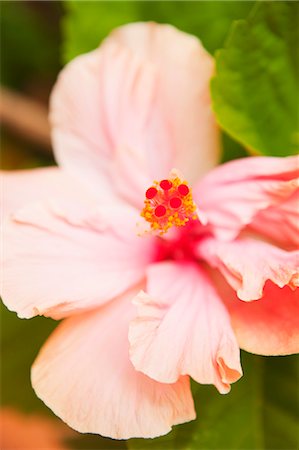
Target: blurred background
[(30, 61), (37, 39)]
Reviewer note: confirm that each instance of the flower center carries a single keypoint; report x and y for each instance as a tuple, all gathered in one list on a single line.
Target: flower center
[(168, 203)]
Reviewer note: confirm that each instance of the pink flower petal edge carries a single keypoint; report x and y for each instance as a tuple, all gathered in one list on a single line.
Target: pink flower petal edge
[(269, 326), (126, 101), (83, 373), (247, 264), (182, 318), (233, 194), (286, 214), (26, 186), (66, 256)]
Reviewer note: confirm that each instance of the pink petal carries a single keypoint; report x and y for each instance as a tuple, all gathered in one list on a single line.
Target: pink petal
[(183, 328), (286, 214), (247, 264), (83, 373), (25, 186), (269, 326), (234, 193), (184, 70), (146, 91), (131, 186), (60, 258)]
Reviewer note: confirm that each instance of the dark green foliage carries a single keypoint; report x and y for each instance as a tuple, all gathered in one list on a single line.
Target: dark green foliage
[(255, 90)]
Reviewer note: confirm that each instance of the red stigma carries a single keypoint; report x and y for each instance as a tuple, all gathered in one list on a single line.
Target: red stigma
[(160, 211), (166, 185), (175, 202), (151, 193), (183, 189)]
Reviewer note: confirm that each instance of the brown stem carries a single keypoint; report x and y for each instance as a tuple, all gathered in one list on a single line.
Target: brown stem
[(25, 116)]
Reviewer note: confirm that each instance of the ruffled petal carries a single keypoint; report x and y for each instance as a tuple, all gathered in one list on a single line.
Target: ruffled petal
[(247, 264), (233, 194), (183, 328), (83, 373), (60, 258), (26, 186), (280, 223), (145, 91), (269, 326)]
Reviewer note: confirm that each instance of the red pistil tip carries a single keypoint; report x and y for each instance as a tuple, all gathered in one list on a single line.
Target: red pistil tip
[(175, 202), (151, 193), (183, 189), (166, 185), (160, 211)]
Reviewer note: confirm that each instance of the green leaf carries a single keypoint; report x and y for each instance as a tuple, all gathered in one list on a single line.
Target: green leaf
[(29, 45), (231, 148), (95, 442), (260, 412), (87, 23), (255, 90), (281, 406), (196, 17)]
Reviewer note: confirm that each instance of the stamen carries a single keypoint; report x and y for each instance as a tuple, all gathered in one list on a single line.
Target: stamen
[(151, 193), (166, 185), (175, 202), (168, 203), (183, 189), (160, 211)]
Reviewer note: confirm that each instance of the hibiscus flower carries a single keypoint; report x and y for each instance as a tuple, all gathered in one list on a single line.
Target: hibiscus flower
[(209, 268)]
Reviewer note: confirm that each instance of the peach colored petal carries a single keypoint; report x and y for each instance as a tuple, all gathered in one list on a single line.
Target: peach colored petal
[(20, 431), (145, 90), (26, 186), (83, 373), (182, 328), (61, 258), (234, 193), (247, 264), (269, 326)]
